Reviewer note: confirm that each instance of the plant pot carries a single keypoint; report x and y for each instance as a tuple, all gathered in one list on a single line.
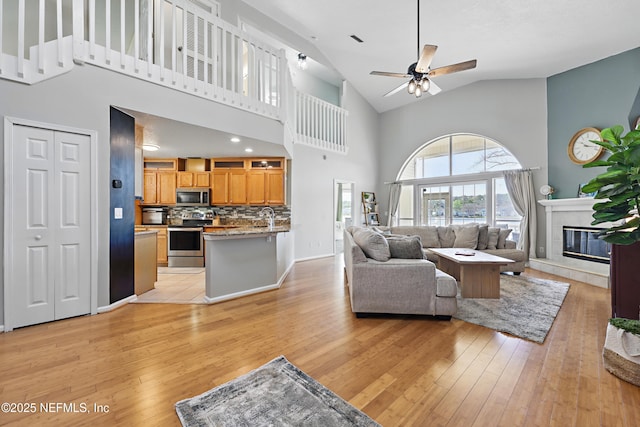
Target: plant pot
[(625, 281), (621, 354)]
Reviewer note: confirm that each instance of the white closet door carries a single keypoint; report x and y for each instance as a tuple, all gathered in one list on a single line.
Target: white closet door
[(50, 208), (73, 239)]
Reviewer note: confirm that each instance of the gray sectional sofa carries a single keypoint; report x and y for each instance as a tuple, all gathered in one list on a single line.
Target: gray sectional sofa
[(481, 237), (391, 276)]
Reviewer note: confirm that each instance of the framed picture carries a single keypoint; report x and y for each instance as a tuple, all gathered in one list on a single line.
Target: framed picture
[(372, 219), (368, 197), (583, 194)]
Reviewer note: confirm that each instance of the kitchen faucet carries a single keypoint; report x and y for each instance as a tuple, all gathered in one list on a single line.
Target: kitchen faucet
[(270, 214)]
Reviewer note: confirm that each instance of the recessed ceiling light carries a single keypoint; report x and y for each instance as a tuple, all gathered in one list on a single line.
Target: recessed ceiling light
[(248, 150), (150, 147), (235, 139)]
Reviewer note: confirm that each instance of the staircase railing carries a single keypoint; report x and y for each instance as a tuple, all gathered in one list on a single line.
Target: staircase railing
[(34, 43), (174, 43)]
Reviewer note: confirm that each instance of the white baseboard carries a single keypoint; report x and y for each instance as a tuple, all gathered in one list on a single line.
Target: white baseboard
[(311, 258), (1, 328), (117, 304), (241, 294)]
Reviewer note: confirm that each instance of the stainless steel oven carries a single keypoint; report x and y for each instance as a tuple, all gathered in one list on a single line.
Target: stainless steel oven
[(185, 247)]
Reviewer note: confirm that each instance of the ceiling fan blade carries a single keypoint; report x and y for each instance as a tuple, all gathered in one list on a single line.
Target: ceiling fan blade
[(387, 74), (434, 89), (425, 58), (454, 68), (396, 90)]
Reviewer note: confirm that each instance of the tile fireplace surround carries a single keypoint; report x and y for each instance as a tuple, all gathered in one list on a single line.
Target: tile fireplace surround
[(570, 212)]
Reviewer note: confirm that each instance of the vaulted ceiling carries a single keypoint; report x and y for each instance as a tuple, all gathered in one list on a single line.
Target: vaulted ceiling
[(511, 39)]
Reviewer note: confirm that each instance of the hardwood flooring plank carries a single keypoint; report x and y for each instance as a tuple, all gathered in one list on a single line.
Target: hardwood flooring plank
[(142, 358)]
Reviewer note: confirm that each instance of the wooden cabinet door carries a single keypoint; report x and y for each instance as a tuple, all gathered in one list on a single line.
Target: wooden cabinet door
[(167, 188), (185, 179), (256, 191), (150, 188), (238, 187), (162, 246), (220, 188), (201, 179), (275, 187)]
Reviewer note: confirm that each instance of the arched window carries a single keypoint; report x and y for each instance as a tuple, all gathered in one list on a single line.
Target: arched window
[(458, 179)]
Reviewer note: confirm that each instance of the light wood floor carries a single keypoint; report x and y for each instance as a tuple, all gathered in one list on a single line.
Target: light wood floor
[(142, 358), (176, 287)]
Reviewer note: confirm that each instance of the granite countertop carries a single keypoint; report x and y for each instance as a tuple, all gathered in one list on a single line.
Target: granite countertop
[(244, 230)]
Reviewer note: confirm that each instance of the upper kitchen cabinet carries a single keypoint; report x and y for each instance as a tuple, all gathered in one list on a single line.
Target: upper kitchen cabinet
[(194, 173), (161, 164), (229, 187), (159, 188)]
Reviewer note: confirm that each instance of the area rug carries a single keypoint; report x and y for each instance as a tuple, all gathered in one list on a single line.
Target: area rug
[(276, 394), (527, 307)]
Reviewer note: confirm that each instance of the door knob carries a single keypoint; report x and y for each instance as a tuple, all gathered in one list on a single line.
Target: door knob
[(38, 237)]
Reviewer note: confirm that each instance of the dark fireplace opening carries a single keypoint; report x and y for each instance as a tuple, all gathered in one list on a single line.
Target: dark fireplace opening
[(582, 243)]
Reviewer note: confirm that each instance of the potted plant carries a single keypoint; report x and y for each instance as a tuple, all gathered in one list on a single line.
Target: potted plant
[(617, 191)]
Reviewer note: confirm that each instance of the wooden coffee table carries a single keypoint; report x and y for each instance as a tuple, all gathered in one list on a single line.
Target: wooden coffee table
[(478, 274)]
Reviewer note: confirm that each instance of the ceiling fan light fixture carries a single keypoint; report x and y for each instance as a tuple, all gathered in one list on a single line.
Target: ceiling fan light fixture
[(412, 86), (425, 83), (418, 91)]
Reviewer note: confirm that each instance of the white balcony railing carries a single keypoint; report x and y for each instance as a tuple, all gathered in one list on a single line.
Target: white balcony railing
[(174, 43), (320, 124)]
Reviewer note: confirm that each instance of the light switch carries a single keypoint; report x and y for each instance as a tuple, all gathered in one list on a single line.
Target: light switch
[(117, 213)]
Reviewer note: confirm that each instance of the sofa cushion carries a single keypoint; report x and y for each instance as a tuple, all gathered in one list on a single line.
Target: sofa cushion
[(428, 234), (406, 247), (466, 236), (428, 254), (446, 286), (373, 244), (483, 236), (492, 242), (502, 237), (446, 237), (516, 255)]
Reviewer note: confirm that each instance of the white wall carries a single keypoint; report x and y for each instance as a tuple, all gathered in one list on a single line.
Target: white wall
[(82, 98), (511, 112), (313, 172)]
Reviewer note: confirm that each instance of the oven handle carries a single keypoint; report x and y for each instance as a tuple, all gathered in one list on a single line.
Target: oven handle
[(184, 229)]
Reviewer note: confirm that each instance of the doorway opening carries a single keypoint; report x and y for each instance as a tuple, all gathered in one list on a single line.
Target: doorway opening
[(342, 209)]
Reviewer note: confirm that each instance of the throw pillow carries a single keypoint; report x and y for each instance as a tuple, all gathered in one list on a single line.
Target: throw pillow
[(406, 247), (373, 244), (428, 234), (502, 237), (483, 236), (492, 241), (466, 236), (446, 237)]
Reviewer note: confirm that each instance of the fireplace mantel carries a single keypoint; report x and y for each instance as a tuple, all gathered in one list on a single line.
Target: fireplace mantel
[(569, 212), (575, 204)]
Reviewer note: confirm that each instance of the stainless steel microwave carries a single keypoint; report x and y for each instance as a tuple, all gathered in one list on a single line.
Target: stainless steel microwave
[(193, 196)]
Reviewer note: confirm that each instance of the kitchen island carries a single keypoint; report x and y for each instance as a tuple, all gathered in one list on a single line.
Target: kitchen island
[(241, 261)]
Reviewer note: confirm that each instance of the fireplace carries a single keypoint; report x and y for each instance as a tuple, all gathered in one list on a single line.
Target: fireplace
[(582, 243)]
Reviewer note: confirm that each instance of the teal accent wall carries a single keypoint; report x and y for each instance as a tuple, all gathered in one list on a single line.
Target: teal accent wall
[(600, 95)]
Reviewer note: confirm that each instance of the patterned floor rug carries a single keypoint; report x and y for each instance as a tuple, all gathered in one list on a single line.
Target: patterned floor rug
[(276, 394), (527, 307)]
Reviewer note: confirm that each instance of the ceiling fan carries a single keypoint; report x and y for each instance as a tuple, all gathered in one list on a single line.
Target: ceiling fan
[(420, 73)]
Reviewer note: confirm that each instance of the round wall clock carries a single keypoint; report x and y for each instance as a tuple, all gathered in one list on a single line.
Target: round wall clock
[(581, 150)]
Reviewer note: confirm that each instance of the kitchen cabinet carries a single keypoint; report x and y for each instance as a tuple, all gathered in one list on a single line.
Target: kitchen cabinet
[(159, 188), (161, 164), (265, 187), (194, 179), (161, 242), (229, 187)]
